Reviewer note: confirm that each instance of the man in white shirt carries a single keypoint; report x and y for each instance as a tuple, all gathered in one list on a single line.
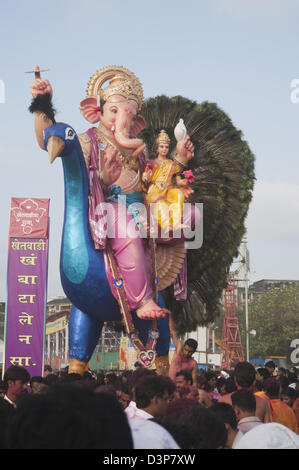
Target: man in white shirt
[(152, 395), (16, 379), (244, 405)]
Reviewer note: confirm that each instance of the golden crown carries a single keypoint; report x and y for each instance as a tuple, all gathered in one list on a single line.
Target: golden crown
[(121, 82), (163, 137)]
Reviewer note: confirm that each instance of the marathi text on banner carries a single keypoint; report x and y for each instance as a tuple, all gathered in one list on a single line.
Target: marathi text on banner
[(26, 298)]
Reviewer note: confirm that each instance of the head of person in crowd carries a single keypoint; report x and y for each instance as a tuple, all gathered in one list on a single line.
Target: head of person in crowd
[(226, 413), (262, 373), (281, 371), (137, 375), (100, 378), (293, 370), (244, 404), (201, 382), (112, 379), (152, 395), (123, 395), (189, 348), (198, 420), (38, 385), (69, 417), (125, 376), (47, 370), (270, 366), (288, 396), (283, 382), (16, 379), (292, 377), (106, 389), (178, 407), (211, 380), (72, 379), (188, 391), (221, 385), (183, 378), (89, 380), (3, 388), (272, 388), (244, 375), (138, 365), (230, 385), (52, 379)]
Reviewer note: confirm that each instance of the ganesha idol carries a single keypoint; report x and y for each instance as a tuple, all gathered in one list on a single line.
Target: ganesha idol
[(133, 264)]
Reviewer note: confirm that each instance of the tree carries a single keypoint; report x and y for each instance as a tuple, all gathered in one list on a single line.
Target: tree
[(275, 317)]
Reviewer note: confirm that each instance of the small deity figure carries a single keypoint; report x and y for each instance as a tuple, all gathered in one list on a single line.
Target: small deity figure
[(166, 189)]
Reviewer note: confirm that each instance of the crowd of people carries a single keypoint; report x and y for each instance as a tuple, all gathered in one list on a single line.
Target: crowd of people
[(244, 408)]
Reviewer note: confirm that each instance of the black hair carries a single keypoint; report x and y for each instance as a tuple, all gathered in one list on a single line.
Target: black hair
[(283, 381), (292, 377), (226, 414), (289, 392), (148, 388), (192, 343), (51, 379), (36, 379), (244, 374), (245, 400), (186, 374), (69, 417), (230, 385), (271, 387), (198, 420), (263, 372), (137, 375), (270, 364), (16, 373)]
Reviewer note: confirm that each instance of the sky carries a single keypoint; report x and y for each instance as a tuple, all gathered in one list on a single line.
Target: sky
[(240, 54)]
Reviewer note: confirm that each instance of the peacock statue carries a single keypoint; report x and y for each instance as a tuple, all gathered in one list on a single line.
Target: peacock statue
[(82, 267)]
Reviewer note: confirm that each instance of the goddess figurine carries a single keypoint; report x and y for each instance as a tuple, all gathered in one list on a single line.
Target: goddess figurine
[(167, 190)]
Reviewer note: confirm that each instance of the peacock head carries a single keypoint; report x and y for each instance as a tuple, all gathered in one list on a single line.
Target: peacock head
[(59, 140)]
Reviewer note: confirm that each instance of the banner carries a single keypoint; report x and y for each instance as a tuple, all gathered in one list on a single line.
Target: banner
[(26, 284)]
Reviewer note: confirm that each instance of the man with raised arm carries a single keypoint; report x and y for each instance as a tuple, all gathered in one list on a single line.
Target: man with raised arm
[(182, 359)]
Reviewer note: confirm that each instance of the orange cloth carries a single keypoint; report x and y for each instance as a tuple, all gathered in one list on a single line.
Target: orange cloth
[(295, 408), (283, 414), (265, 397)]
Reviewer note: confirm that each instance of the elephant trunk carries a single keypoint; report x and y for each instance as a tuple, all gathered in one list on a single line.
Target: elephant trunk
[(123, 131)]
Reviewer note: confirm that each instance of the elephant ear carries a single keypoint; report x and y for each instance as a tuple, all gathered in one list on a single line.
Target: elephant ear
[(138, 125), (90, 110), (223, 169)]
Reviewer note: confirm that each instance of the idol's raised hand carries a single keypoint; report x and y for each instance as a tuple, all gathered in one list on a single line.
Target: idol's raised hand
[(41, 87)]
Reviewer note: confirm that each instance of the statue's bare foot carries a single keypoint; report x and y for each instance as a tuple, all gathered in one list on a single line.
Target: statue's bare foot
[(150, 310)]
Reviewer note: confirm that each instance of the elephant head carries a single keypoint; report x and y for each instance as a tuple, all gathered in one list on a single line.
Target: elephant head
[(116, 106)]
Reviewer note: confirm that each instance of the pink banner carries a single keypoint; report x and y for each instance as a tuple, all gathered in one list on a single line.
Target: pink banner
[(26, 300), (29, 217)]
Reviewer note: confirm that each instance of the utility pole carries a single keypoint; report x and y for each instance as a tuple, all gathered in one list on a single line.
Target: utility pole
[(246, 267)]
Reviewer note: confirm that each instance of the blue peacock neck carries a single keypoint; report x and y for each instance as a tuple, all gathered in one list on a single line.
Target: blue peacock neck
[(75, 239)]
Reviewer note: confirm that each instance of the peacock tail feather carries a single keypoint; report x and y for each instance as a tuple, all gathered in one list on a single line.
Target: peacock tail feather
[(223, 166)]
